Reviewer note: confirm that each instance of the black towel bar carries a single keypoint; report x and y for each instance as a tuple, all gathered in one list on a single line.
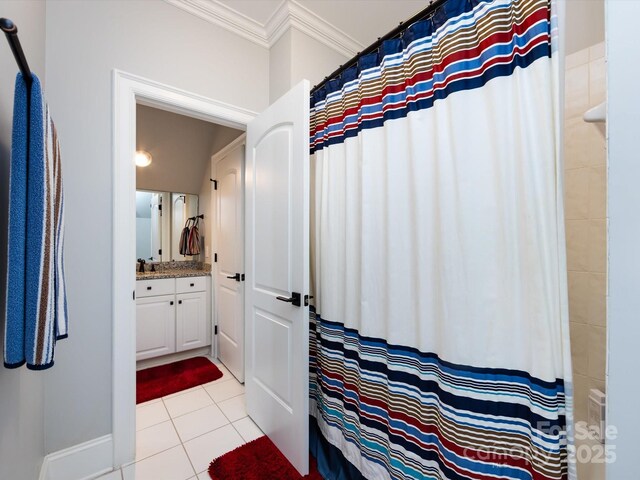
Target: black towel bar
[(11, 31)]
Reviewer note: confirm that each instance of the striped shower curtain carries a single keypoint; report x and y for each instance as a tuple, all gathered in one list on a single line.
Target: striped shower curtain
[(439, 342)]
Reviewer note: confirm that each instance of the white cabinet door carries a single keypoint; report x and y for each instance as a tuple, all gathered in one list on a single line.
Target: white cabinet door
[(277, 274), (191, 321), (229, 235), (155, 326)]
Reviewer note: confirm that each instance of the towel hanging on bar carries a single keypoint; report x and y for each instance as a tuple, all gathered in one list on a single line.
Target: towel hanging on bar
[(36, 302)]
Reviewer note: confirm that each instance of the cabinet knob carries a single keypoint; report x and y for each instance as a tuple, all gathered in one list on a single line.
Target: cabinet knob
[(148, 288), (171, 302), (192, 284), (179, 302)]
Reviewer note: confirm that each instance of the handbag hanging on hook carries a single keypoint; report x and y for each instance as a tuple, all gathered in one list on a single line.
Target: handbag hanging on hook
[(184, 237), (193, 242)]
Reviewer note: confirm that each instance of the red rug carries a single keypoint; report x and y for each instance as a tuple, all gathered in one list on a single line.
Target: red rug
[(258, 460), (164, 380)]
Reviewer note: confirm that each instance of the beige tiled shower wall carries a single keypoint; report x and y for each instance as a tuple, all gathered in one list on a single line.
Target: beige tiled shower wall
[(586, 213)]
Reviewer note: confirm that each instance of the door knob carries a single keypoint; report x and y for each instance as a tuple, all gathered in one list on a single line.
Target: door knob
[(294, 299)]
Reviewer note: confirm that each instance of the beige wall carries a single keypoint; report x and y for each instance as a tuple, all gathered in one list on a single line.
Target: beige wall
[(85, 41), (181, 147), (21, 390), (586, 213), (584, 24)]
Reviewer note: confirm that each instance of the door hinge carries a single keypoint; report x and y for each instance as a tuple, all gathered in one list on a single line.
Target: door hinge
[(215, 183), (215, 258), (215, 330), (134, 294), (160, 207), (160, 252)]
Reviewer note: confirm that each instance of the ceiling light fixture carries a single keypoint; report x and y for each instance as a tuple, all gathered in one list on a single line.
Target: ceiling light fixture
[(143, 159)]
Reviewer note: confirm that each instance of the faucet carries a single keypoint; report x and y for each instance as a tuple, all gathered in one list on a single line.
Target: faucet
[(142, 262)]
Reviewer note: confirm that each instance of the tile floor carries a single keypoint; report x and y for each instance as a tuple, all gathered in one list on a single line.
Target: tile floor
[(178, 435)]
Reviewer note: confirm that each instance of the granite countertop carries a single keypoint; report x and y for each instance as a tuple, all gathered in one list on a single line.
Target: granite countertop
[(177, 273)]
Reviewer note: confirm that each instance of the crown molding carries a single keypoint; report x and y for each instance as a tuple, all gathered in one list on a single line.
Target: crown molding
[(289, 14), (223, 16)]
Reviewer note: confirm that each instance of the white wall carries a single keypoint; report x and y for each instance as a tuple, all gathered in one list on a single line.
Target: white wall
[(296, 56), (21, 390), (85, 41), (311, 59), (623, 124), (280, 69)]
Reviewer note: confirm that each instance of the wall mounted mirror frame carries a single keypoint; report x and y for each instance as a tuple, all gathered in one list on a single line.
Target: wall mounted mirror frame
[(160, 218)]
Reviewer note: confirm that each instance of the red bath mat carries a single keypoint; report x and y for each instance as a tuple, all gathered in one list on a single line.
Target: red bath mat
[(258, 460), (174, 377)]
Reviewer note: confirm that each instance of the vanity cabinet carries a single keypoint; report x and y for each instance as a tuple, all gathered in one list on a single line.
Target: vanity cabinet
[(155, 326), (191, 321), (171, 316)]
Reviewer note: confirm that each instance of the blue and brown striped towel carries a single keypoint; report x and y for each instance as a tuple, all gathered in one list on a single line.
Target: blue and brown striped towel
[(36, 303)]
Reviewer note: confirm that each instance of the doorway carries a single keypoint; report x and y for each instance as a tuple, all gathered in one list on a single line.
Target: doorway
[(227, 233), (129, 91), (276, 251)]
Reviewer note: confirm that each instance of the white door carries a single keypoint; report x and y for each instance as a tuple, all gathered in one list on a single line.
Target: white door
[(229, 249), (277, 274)]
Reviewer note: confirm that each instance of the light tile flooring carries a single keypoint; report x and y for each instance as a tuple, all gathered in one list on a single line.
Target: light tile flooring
[(178, 435)]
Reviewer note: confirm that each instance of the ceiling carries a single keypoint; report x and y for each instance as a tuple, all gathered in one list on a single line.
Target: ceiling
[(363, 20)]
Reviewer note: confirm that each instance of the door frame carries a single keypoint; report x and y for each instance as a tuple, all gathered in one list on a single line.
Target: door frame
[(128, 90), (241, 140)]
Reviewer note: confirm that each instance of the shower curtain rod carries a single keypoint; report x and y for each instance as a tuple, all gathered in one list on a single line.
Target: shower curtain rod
[(428, 11), (11, 31)]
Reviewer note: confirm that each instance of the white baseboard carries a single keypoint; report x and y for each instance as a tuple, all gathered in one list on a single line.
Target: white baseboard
[(81, 462)]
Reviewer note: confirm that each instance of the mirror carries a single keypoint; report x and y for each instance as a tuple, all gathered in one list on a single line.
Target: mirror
[(149, 225), (160, 218)]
